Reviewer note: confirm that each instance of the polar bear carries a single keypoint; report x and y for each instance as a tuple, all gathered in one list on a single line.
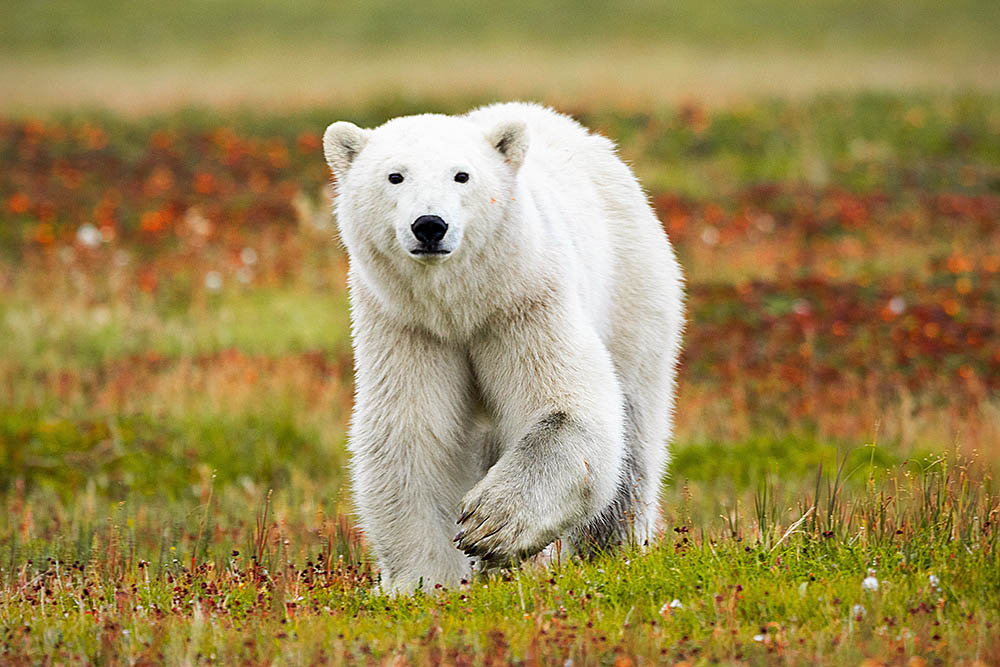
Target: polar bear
[(516, 314)]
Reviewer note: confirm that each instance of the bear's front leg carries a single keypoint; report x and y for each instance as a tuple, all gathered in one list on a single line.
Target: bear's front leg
[(551, 385), (410, 462)]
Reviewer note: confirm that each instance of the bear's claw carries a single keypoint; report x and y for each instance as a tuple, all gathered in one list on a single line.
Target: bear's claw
[(481, 539), (481, 534), (482, 547), (467, 513), (493, 528)]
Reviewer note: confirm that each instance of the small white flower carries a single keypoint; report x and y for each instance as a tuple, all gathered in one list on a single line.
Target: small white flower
[(758, 638), (897, 305), (248, 256), (710, 236), (88, 235), (213, 281), (858, 610), (870, 583), (668, 607), (935, 582)]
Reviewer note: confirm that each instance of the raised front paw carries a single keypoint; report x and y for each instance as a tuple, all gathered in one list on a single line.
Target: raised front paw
[(496, 528)]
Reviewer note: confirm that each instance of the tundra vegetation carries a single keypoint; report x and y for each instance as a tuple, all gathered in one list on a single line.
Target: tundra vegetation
[(175, 381), (175, 364)]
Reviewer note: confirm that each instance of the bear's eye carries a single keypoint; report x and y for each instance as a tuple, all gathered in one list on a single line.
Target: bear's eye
[(395, 178), (461, 177)]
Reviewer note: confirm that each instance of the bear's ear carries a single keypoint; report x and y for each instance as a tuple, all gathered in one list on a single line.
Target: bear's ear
[(342, 142), (511, 139)]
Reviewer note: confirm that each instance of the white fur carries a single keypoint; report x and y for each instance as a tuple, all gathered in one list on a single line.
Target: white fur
[(525, 381)]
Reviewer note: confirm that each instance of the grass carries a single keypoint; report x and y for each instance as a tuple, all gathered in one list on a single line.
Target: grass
[(174, 395), (838, 578), (149, 29), (266, 321)]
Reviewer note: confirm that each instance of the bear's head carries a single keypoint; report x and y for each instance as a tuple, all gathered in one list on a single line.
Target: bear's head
[(423, 188)]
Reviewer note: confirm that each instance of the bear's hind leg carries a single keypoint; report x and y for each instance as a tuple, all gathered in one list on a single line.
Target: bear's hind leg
[(626, 520)]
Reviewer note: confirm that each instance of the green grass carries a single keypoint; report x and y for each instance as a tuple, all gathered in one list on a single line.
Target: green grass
[(865, 142), (137, 456), (149, 29), (262, 321)]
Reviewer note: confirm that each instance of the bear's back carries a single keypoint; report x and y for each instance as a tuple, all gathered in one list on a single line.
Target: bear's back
[(548, 131)]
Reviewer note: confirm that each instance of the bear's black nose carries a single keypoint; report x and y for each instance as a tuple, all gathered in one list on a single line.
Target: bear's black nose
[(429, 229)]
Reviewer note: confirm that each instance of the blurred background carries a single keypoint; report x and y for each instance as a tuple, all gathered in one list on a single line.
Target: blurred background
[(141, 56), (173, 316)]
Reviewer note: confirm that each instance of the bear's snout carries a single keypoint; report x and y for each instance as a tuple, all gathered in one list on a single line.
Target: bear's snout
[(429, 230)]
